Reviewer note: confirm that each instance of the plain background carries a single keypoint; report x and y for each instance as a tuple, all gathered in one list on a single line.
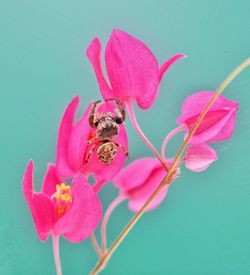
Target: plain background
[(203, 226)]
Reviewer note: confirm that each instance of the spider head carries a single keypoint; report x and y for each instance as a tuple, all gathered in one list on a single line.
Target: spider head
[(106, 127)]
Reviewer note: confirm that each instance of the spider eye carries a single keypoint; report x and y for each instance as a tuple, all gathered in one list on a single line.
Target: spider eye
[(96, 123), (118, 120)]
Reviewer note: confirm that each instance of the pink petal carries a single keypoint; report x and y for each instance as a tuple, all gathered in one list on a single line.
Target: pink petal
[(212, 128), (28, 182), (41, 207), (63, 166), (78, 141), (50, 180), (227, 129), (199, 157), (221, 130), (84, 215), (44, 215), (123, 179), (132, 69), (194, 105), (167, 64), (94, 56), (139, 180)]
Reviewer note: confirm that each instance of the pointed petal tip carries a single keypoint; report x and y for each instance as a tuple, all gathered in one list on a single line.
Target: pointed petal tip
[(29, 171), (76, 99), (27, 182), (31, 163), (94, 46), (117, 31), (167, 64)]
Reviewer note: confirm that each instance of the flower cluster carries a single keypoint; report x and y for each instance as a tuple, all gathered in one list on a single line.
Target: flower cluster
[(97, 144)]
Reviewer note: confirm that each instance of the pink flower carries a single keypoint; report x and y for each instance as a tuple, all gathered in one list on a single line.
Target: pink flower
[(138, 181), (133, 70), (73, 148), (199, 157), (218, 124), (60, 209)]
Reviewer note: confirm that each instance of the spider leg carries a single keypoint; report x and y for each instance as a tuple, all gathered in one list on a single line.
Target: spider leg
[(91, 141), (121, 111), (124, 150), (90, 153), (92, 113)]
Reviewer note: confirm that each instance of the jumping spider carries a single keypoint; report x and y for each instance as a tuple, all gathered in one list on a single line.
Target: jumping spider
[(107, 129)]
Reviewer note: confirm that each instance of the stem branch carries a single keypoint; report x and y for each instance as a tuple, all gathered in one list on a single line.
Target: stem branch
[(133, 119), (109, 211), (95, 245), (168, 137)]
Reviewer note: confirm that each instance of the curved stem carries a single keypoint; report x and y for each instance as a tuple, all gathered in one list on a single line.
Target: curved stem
[(107, 215), (133, 119), (55, 242), (168, 137), (95, 245), (167, 178)]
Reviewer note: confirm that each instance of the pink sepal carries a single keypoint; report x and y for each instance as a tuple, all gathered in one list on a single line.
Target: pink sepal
[(63, 166), (94, 55), (41, 207), (199, 157), (168, 64)]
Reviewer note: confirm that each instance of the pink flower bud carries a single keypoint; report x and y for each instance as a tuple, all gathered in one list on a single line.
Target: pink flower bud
[(138, 181), (199, 157), (217, 125)]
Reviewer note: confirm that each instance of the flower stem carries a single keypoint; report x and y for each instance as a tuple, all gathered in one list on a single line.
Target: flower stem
[(168, 137), (95, 245), (167, 178), (133, 119), (109, 211), (55, 241)]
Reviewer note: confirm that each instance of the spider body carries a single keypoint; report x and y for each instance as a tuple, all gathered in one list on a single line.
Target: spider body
[(107, 130)]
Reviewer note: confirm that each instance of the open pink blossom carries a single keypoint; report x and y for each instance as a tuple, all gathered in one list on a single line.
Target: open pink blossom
[(133, 70), (199, 157), (60, 209), (138, 181), (219, 122), (72, 146)]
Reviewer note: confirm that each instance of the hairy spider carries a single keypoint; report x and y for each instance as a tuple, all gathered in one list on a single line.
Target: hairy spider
[(107, 129)]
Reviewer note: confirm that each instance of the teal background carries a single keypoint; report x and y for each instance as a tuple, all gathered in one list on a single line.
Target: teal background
[(203, 226)]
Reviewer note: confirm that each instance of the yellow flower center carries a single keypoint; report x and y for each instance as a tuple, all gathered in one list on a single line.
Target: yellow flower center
[(62, 198)]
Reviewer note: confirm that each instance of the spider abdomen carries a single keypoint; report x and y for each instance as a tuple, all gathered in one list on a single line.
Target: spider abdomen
[(106, 152)]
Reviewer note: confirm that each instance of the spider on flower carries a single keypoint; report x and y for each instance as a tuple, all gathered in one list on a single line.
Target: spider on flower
[(107, 129)]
